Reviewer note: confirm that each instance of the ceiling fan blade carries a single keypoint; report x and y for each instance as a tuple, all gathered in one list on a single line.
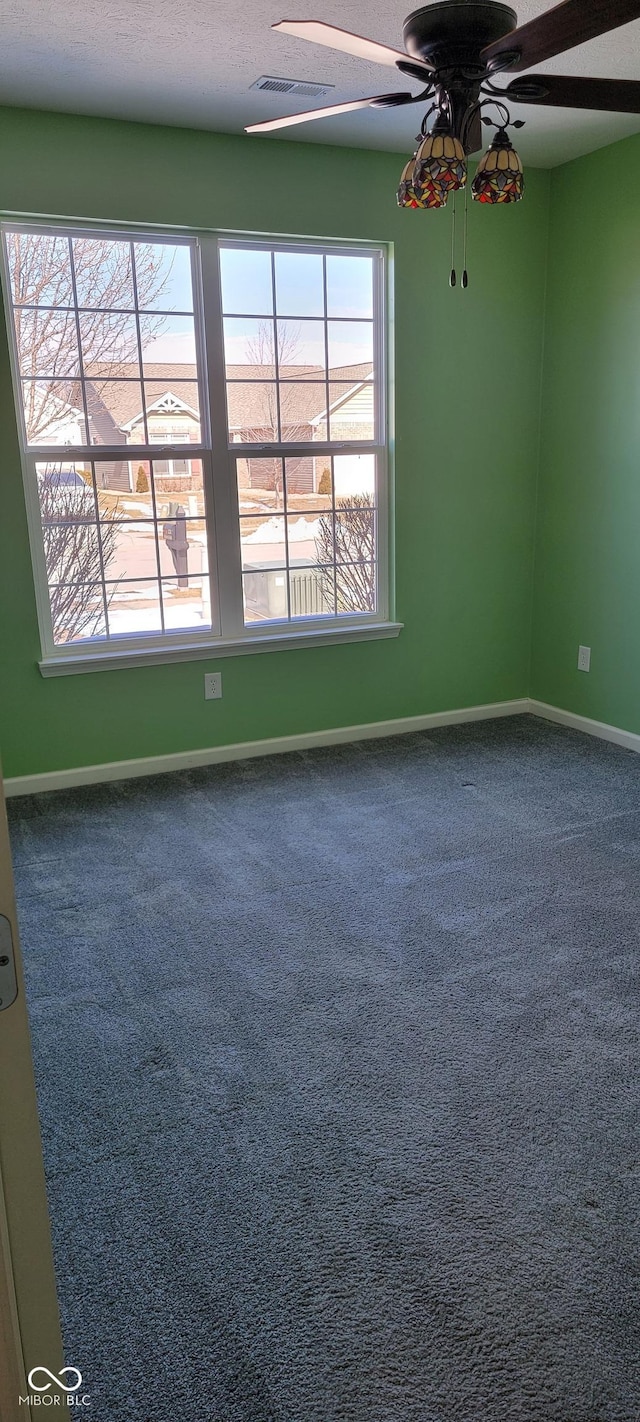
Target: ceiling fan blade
[(382, 101), (568, 91), (319, 33), (565, 26)]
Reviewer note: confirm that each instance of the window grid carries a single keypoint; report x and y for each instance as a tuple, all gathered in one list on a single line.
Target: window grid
[(319, 448), (76, 372), (276, 363), (324, 448), (326, 366), (72, 268), (352, 516), (309, 376), (97, 310), (78, 526), (100, 546), (326, 359), (139, 341)]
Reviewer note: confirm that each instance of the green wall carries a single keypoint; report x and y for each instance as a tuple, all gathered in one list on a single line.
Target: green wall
[(587, 586), (468, 370)]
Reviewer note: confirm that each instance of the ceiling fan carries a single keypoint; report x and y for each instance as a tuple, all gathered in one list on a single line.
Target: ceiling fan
[(460, 44), (456, 49)]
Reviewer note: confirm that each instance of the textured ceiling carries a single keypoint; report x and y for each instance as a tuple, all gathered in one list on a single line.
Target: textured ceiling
[(146, 59)]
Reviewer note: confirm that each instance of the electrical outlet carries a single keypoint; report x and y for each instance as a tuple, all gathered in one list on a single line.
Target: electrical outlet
[(584, 658), (212, 686)]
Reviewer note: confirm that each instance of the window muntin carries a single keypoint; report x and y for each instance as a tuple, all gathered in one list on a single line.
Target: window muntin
[(128, 549), (106, 355), (319, 538), (305, 352), (300, 370), (122, 561), (93, 318)]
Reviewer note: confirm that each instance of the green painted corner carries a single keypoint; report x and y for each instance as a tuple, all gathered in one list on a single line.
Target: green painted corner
[(587, 568), (480, 461), (467, 374)]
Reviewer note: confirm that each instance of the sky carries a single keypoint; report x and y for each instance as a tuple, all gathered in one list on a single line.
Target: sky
[(248, 292), (290, 293)]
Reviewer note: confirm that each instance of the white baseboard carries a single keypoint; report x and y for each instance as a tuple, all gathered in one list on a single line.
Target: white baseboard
[(628, 739), (337, 735), (244, 750)]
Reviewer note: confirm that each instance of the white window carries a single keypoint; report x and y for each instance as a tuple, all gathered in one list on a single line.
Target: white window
[(203, 435)]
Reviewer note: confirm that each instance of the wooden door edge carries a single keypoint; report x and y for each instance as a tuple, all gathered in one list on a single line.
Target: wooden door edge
[(29, 1317), (13, 1378)]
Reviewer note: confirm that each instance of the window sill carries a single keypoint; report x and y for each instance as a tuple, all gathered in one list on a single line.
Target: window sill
[(92, 661)]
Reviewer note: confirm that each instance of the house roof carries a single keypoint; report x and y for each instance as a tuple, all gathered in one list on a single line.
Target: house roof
[(253, 405), (120, 399), (115, 403)]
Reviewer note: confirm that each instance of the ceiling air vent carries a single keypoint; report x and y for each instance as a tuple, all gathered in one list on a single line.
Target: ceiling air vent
[(291, 86)]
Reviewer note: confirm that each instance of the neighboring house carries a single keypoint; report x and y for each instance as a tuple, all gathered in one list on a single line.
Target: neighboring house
[(116, 417), (114, 407), (57, 421), (304, 399)]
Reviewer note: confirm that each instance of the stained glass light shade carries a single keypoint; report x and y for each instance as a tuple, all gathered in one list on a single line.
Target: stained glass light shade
[(499, 176), (440, 167), (429, 196)]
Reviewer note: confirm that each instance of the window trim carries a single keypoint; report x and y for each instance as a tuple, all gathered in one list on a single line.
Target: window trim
[(303, 635), (229, 635)]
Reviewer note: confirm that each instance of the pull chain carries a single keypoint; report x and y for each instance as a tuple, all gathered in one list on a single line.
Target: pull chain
[(453, 278), (465, 274)]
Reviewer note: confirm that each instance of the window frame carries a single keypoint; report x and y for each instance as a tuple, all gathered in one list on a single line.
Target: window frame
[(229, 634)]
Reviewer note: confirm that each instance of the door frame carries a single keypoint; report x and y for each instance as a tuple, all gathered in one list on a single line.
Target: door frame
[(29, 1319)]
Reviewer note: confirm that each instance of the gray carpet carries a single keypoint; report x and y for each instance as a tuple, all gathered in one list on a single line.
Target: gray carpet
[(337, 1065)]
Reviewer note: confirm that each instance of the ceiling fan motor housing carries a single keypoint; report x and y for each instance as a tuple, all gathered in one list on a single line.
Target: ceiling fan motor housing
[(454, 32), (451, 35)]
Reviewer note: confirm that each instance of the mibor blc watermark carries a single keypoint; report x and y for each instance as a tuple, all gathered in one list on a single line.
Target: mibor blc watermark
[(49, 1389)]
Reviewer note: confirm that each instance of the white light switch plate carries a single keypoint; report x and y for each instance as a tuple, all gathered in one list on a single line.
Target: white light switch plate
[(584, 658), (212, 686)]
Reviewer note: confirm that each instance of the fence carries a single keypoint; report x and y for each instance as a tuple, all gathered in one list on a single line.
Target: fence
[(306, 594)]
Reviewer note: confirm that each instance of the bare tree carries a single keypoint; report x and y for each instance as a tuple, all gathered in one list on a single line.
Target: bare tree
[(259, 350), (47, 274), (78, 554), (349, 539)]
